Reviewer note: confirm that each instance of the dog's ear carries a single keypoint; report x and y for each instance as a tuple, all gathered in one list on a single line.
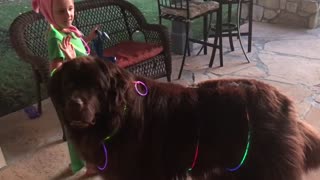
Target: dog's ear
[(114, 82)]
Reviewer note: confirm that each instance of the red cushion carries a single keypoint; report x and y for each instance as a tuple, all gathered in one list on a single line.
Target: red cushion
[(131, 52)]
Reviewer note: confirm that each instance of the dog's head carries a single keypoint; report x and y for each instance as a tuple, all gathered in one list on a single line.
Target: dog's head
[(86, 87)]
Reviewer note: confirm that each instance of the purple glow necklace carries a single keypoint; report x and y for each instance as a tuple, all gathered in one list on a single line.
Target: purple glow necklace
[(136, 83)]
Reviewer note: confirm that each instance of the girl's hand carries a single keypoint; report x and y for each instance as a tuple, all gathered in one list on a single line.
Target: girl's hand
[(92, 34), (67, 48), (55, 64)]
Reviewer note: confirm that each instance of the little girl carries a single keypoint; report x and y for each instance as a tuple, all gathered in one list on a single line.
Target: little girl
[(65, 42)]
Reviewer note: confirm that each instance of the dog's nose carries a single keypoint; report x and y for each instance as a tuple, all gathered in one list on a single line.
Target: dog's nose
[(76, 104)]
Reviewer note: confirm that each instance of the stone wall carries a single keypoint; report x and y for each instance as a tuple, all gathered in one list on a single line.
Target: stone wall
[(303, 13)]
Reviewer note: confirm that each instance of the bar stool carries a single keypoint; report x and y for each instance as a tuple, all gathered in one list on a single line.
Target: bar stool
[(229, 29), (185, 11)]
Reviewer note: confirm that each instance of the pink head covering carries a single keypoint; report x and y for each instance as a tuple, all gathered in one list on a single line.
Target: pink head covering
[(45, 8)]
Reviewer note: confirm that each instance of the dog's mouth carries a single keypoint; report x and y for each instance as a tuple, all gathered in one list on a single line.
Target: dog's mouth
[(82, 120), (79, 124), (82, 124)]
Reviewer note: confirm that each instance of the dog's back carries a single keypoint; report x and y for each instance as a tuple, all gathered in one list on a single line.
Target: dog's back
[(311, 145), (252, 89)]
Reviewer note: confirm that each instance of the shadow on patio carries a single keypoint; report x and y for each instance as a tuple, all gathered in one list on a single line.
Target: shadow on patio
[(287, 58)]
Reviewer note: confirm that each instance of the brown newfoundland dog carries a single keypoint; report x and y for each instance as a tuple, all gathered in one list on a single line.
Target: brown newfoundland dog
[(134, 128)]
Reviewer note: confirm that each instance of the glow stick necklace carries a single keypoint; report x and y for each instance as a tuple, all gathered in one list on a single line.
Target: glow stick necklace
[(228, 169), (101, 168), (244, 155), (195, 156), (105, 155), (136, 83)]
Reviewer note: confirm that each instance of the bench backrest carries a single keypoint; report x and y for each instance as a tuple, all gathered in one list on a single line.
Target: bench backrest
[(118, 18)]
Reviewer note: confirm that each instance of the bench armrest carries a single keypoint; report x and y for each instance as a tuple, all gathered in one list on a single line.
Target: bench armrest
[(40, 64), (159, 34), (19, 37)]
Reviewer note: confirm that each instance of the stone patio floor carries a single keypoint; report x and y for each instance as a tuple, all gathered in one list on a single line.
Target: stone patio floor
[(285, 57)]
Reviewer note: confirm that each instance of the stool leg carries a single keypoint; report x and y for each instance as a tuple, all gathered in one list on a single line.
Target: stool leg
[(205, 32), (189, 53), (230, 31), (219, 30), (250, 26), (238, 31), (220, 51), (186, 46), (240, 4), (214, 48), (187, 42), (217, 36)]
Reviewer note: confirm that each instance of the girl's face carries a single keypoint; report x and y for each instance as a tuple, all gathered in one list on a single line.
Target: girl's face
[(63, 12)]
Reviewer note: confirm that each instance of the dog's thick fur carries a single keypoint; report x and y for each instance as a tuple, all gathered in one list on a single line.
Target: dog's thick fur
[(155, 136)]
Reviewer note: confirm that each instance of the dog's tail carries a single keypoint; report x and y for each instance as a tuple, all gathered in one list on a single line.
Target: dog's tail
[(311, 145)]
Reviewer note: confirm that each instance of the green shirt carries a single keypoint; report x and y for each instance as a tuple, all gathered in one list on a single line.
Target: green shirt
[(55, 38)]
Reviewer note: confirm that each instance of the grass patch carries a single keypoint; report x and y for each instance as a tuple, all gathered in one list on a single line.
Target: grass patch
[(17, 85)]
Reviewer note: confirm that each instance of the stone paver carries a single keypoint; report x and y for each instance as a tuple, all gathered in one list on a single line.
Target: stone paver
[(284, 57)]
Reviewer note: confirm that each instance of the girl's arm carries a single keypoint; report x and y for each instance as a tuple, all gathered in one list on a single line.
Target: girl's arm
[(55, 64), (67, 48), (68, 51)]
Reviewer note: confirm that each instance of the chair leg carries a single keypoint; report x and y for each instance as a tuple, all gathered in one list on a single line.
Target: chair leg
[(168, 78), (38, 90), (231, 41), (219, 31), (39, 98), (214, 48), (200, 50), (186, 46)]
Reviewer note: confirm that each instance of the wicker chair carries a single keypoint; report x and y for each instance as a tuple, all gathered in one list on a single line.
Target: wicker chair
[(118, 18)]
